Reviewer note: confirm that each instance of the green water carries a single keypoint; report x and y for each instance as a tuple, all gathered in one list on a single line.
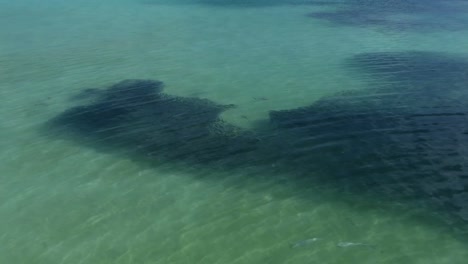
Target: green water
[(61, 202)]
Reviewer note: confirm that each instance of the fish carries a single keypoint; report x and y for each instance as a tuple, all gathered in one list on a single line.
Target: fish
[(303, 243), (260, 98), (353, 244)]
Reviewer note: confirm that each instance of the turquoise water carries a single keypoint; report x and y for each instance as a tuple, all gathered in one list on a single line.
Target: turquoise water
[(65, 201)]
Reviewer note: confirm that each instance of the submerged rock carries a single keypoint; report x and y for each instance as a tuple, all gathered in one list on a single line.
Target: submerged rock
[(134, 115), (395, 14), (406, 139)]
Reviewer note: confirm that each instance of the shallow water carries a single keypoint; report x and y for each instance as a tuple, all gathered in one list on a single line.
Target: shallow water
[(77, 201)]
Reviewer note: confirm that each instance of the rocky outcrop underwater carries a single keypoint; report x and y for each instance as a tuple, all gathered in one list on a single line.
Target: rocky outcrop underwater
[(405, 138)]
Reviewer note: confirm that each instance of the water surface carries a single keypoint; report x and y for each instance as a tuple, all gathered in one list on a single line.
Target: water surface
[(76, 198)]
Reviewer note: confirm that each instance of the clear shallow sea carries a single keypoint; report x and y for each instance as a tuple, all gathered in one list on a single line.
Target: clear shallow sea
[(66, 202)]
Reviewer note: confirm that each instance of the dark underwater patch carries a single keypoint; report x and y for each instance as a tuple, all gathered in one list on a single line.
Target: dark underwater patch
[(233, 3), (398, 14), (135, 116), (405, 139)]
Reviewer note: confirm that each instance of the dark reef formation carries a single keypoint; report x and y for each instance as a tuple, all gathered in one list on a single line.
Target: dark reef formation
[(397, 14), (404, 139), (135, 116), (232, 3)]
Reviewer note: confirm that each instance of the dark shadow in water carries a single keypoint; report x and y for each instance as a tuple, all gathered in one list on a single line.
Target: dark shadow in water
[(404, 140), (407, 139), (134, 115), (398, 14), (233, 3)]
